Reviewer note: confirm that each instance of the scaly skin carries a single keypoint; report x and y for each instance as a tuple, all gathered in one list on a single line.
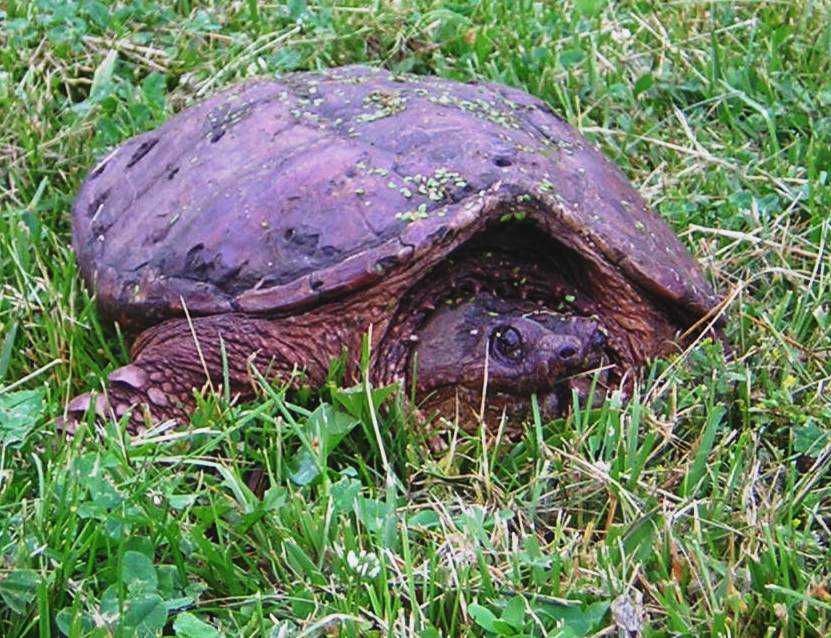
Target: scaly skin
[(177, 357)]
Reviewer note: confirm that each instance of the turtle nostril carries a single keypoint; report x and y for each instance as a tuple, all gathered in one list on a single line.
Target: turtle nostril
[(566, 352)]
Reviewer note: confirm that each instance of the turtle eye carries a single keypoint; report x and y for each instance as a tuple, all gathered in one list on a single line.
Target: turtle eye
[(506, 343)]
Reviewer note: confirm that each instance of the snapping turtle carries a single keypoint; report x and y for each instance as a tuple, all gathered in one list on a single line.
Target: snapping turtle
[(486, 243)]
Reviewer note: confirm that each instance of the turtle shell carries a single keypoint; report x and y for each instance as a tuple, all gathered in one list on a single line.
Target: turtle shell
[(278, 194)]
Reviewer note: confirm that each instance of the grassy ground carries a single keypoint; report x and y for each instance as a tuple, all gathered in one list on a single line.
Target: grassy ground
[(702, 508)]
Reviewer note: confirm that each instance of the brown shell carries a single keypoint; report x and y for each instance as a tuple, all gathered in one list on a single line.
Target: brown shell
[(275, 194)]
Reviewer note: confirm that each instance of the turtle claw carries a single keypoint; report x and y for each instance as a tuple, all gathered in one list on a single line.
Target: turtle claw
[(77, 408), (130, 375)]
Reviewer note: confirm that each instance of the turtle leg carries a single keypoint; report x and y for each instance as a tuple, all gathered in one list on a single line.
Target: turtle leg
[(178, 357)]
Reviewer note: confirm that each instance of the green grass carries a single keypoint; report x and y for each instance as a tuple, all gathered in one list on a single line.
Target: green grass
[(703, 505)]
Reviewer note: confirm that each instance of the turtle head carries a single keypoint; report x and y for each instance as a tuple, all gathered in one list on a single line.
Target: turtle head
[(517, 346)]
